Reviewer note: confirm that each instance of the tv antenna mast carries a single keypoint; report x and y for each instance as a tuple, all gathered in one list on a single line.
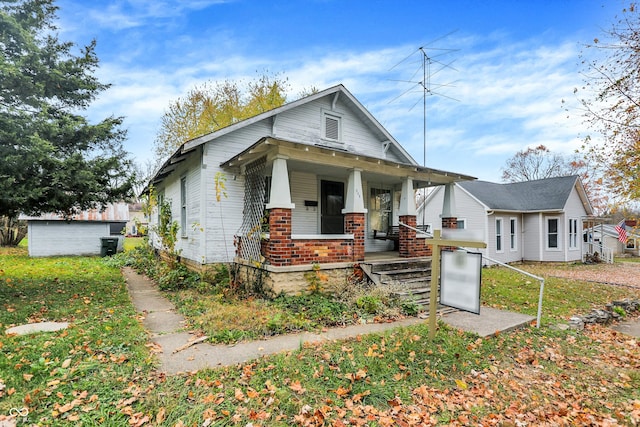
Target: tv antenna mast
[(427, 63)]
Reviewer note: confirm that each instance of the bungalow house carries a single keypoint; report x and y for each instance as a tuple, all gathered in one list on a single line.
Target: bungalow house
[(305, 184), (540, 220), (82, 234)]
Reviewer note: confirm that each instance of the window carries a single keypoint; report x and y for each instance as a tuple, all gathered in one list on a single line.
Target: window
[(117, 228), (379, 209), (332, 127), (462, 223), (498, 234), (513, 242), (631, 244), (160, 200), (573, 233), (552, 234), (183, 206)]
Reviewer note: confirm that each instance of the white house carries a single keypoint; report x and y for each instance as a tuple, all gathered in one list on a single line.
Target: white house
[(306, 183), (539, 220), (82, 234)]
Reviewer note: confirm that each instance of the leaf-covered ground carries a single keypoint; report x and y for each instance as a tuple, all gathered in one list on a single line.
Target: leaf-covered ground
[(620, 273), (99, 371)]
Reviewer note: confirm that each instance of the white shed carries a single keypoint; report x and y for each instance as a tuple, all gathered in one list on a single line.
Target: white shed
[(53, 235)]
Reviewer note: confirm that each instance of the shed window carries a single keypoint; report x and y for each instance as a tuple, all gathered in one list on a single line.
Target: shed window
[(116, 228)]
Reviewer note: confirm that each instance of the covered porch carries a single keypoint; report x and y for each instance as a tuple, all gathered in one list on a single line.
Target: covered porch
[(316, 205)]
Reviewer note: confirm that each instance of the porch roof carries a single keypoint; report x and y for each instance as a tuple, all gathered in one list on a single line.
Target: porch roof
[(334, 161)]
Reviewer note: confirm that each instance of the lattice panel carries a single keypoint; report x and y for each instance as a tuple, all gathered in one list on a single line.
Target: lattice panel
[(254, 196)]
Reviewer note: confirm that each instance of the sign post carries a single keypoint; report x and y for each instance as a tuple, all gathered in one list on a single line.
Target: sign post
[(437, 242)]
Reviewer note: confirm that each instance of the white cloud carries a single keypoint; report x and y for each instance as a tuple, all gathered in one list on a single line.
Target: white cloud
[(508, 93)]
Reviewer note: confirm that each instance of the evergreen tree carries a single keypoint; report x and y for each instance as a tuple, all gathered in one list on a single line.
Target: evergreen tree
[(52, 158)]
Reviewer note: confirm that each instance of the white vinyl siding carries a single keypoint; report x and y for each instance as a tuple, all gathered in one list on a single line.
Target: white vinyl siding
[(304, 219), (56, 238)]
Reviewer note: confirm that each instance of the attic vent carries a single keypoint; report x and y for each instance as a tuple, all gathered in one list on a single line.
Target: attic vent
[(332, 127)]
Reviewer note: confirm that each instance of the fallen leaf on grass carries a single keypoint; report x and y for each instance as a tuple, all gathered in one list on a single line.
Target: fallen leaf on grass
[(297, 387)]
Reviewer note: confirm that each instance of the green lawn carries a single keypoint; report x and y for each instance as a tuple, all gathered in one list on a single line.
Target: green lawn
[(100, 372)]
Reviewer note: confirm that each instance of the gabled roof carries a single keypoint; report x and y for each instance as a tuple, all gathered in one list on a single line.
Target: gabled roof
[(338, 91), (547, 194)]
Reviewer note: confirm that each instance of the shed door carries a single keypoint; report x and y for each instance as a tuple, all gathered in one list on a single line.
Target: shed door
[(332, 203)]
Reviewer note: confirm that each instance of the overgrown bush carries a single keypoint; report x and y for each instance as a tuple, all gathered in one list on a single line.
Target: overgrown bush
[(320, 308), (369, 300), (178, 276)]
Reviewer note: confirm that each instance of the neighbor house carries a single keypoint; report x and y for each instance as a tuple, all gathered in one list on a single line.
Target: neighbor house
[(306, 184), (82, 234), (540, 220), (605, 239)]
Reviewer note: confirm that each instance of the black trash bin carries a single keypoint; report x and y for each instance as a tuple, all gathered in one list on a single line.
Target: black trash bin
[(109, 246)]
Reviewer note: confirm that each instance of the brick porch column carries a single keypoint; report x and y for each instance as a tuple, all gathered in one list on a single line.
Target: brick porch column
[(407, 215), (354, 212), (354, 224), (448, 217), (279, 246), (407, 236), (450, 222)]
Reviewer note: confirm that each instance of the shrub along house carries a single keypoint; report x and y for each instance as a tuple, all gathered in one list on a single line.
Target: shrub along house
[(308, 183)]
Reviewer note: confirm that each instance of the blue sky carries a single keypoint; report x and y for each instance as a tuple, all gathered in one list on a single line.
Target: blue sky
[(512, 63)]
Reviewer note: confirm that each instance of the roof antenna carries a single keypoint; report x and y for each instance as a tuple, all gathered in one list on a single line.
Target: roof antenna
[(427, 61)]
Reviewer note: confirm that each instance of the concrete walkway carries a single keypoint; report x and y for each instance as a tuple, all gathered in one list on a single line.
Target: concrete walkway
[(167, 329)]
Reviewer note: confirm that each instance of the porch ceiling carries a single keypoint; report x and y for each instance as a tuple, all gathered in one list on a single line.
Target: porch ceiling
[(337, 163)]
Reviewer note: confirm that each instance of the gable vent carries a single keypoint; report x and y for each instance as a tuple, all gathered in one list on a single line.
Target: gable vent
[(332, 127)]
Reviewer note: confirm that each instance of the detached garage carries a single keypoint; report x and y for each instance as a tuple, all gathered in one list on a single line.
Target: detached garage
[(87, 233)]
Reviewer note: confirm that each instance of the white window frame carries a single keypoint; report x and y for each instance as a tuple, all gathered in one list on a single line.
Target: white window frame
[(513, 234), (333, 116), (183, 206), (499, 236), (159, 202), (464, 223), (547, 234), (573, 233)]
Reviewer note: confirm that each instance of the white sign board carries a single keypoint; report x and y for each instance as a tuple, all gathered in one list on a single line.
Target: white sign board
[(460, 276)]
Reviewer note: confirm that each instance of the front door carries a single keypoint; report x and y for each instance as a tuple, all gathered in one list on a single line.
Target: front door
[(332, 203)]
